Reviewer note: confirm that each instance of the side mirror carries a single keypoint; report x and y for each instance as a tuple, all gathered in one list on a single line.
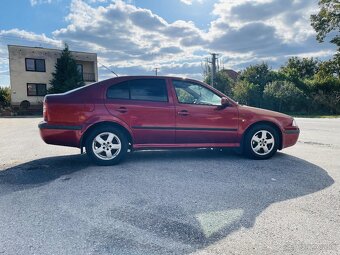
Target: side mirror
[(225, 102)]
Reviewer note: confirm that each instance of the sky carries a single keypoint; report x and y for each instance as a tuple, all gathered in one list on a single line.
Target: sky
[(133, 37)]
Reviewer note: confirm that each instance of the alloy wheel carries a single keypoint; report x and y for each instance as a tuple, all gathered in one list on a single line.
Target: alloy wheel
[(262, 142), (106, 146)]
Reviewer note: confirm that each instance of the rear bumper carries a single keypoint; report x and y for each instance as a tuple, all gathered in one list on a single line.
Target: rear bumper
[(290, 137), (65, 135)]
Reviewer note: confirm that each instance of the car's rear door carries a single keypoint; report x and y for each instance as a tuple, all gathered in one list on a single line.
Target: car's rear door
[(200, 117), (145, 105)]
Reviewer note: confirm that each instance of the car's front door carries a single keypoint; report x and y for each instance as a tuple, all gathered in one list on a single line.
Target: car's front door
[(200, 117), (145, 106)]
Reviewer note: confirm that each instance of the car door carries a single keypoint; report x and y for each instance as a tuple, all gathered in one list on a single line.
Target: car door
[(145, 106), (200, 117)]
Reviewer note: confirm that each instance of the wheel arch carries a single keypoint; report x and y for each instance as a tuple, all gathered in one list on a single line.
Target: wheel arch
[(105, 123), (269, 123)]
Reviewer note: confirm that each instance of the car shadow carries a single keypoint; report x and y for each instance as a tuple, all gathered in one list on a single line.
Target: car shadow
[(42, 171), (176, 202)]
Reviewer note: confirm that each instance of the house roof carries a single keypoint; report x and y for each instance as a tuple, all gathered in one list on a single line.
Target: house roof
[(231, 73)]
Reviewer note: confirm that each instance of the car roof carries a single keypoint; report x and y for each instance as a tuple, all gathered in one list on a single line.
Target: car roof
[(131, 77)]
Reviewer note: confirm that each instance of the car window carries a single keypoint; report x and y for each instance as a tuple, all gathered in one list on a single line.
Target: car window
[(192, 93), (119, 91), (149, 90), (184, 96), (140, 89)]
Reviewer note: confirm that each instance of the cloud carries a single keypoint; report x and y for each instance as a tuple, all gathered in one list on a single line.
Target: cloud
[(250, 37), (170, 50), (97, 1), (134, 40), (24, 35), (190, 2), (37, 2), (290, 19), (130, 36), (184, 69), (266, 29), (4, 71)]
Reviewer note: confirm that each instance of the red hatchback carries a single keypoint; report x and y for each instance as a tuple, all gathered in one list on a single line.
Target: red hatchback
[(141, 112)]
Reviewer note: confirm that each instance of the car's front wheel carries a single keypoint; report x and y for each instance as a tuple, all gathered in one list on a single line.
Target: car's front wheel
[(261, 142), (106, 145)]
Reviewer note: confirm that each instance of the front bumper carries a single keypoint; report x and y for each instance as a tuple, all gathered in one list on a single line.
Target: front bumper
[(290, 137)]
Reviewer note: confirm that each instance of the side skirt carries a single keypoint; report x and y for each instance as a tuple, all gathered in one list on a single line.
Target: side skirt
[(187, 145)]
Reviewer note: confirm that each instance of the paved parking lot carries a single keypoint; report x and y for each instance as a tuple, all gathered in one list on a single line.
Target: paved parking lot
[(54, 201)]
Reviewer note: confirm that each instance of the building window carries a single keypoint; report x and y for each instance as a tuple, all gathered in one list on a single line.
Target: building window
[(35, 65), (36, 89), (80, 69)]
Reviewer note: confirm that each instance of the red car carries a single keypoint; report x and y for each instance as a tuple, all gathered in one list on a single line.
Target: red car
[(150, 112)]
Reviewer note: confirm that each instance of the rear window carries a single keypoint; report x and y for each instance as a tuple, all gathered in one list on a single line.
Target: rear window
[(142, 89)]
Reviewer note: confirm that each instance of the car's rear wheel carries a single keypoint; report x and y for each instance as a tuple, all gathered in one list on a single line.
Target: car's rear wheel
[(106, 145), (261, 142)]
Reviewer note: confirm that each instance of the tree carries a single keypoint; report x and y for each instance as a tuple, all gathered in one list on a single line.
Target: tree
[(5, 97), (257, 75), (66, 75), (329, 69), (297, 70), (300, 68), (222, 82), (246, 93), (327, 101), (283, 96), (324, 89), (327, 21), (302, 85)]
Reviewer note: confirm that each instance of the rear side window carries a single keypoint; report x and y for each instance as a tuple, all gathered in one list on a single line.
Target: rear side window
[(119, 91), (142, 89), (149, 90)]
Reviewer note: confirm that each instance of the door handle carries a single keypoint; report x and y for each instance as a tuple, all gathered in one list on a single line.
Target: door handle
[(183, 113), (122, 110)]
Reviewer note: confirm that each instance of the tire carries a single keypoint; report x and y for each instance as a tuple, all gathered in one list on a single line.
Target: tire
[(106, 146), (261, 142)]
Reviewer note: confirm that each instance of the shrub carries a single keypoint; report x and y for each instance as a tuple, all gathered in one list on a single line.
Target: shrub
[(5, 97)]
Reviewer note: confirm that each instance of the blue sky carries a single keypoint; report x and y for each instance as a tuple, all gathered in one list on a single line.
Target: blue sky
[(135, 36)]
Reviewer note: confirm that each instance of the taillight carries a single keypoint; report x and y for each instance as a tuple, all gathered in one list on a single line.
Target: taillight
[(45, 110)]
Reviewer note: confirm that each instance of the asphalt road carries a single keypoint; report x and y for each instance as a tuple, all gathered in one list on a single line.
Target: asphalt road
[(54, 201)]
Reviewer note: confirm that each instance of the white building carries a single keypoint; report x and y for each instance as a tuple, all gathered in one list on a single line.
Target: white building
[(31, 69)]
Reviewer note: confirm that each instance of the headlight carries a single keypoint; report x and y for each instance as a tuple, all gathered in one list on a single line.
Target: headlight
[(294, 123)]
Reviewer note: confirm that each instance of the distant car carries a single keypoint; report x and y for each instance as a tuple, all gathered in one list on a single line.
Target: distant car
[(110, 117)]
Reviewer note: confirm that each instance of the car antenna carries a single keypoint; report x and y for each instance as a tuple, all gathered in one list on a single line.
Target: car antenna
[(108, 69)]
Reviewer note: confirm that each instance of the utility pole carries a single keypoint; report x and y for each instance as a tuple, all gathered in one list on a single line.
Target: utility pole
[(156, 70), (213, 68)]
